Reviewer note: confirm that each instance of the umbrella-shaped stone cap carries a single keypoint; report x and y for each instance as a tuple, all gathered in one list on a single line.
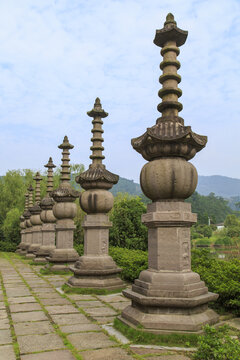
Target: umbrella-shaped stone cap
[(47, 203), (97, 110), (170, 32), (169, 139), (97, 177), (65, 193), (27, 214), (35, 209)]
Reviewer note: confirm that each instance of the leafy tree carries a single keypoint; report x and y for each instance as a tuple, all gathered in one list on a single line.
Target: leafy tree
[(231, 220), (11, 226), (128, 230)]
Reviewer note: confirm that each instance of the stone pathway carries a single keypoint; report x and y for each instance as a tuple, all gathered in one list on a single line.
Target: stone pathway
[(37, 322)]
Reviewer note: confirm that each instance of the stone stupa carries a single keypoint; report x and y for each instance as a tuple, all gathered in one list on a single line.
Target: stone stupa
[(96, 269), (169, 296)]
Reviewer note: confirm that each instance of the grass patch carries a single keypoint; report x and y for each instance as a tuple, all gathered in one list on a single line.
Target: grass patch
[(39, 263), (88, 291), (54, 272), (141, 337)]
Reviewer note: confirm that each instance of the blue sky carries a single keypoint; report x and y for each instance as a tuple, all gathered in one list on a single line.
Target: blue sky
[(56, 57)]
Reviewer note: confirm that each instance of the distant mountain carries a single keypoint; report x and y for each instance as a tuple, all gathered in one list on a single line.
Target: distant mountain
[(125, 185), (220, 185)]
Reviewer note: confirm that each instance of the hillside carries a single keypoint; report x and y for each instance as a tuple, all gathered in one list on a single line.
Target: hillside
[(220, 185)]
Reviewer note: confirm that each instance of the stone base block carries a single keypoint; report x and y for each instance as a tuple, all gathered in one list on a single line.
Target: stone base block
[(61, 259), (98, 272), (33, 248), (96, 281), (30, 256), (158, 315), (43, 252)]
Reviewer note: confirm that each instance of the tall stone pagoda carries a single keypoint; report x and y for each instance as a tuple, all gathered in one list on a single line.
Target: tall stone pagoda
[(64, 210), (169, 296), (48, 219), (96, 269), (35, 220), (28, 224), (21, 246)]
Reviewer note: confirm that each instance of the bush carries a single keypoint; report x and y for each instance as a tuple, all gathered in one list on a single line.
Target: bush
[(203, 241), (216, 344), (223, 240), (221, 277), (127, 230), (132, 262), (7, 246), (11, 226)]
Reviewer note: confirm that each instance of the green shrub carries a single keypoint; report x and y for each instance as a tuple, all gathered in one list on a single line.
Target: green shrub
[(11, 226), (223, 240), (132, 262), (128, 231), (216, 344), (79, 249), (221, 277), (203, 241), (8, 246)]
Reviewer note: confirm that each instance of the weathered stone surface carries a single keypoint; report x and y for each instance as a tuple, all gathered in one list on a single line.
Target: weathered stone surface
[(61, 309), (21, 300), (18, 292), (4, 324), (5, 337), (101, 311), (31, 328), (168, 357), (15, 308), (79, 328), (90, 340), (112, 298), (106, 354), (66, 319), (120, 305), (55, 301), (3, 314), (33, 343), (29, 316), (104, 319), (52, 355), (7, 352), (87, 304)]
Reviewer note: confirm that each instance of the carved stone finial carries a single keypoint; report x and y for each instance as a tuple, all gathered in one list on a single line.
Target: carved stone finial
[(37, 179), (50, 166), (65, 173), (97, 176), (30, 199)]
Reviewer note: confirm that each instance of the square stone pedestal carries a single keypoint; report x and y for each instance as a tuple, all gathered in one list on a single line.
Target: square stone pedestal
[(28, 241), (96, 269), (64, 254), (36, 241), (48, 243), (168, 296)]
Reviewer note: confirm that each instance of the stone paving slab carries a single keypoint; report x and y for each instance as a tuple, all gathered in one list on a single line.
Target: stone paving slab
[(25, 307), (56, 301), (112, 298), (87, 304), (104, 319), (168, 357), (5, 337), (90, 340), (68, 329), (7, 353), (29, 328), (17, 292), (4, 324), (61, 309), (120, 305), (29, 316), (66, 319), (33, 343), (80, 297), (51, 355), (3, 314), (106, 354), (101, 311), (2, 305), (21, 300)]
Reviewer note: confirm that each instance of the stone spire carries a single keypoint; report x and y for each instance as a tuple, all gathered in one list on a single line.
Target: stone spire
[(97, 113), (37, 179), (65, 173), (169, 137), (50, 166), (96, 269), (26, 203), (30, 197), (97, 176)]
